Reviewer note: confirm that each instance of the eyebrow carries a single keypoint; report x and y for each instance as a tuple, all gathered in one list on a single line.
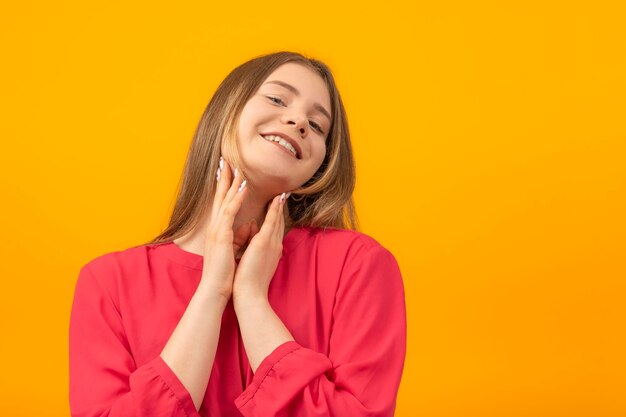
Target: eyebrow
[(294, 90)]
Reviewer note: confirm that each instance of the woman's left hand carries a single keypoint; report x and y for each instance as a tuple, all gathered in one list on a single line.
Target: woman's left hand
[(259, 261)]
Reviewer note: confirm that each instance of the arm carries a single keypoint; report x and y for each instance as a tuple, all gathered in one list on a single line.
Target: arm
[(262, 330), (104, 379), (360, 376), (190, 351)]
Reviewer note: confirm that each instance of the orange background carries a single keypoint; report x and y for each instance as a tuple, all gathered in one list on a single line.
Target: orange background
[(490, 145)]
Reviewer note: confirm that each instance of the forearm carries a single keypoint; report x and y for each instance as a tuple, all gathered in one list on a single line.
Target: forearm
[(190, 351), (262, 330)]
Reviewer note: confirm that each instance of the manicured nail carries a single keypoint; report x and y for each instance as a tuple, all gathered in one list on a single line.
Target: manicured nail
[(221, 163), (218, 173), (282, 198), (236, 172), (243, 184)]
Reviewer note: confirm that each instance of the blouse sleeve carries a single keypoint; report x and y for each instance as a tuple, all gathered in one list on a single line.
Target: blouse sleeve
[(104, 379), (361, 375)]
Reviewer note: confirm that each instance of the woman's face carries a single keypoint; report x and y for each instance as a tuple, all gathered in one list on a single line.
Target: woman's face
[(292, 102)]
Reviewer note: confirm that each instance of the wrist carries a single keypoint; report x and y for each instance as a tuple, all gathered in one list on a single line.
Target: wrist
[(249, 297), (217, 295)]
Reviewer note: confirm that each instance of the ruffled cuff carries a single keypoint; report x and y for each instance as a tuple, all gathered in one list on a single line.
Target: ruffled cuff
[(174, 384), (263, 370)]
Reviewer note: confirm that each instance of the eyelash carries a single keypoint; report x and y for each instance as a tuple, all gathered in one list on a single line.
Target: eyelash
[(315, 125)]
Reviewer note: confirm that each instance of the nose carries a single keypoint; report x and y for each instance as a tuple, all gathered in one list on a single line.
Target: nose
[(300, 122)]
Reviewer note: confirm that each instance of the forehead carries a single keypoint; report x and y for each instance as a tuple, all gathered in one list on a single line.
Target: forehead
[(310, 84)]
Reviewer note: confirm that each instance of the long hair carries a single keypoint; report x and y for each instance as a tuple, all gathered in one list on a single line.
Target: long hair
[(325, 200)]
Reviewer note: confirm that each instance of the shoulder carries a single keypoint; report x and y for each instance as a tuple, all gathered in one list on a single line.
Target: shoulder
[(350, 245), (114, 260), (358, 260), (107, 270), (346, 236)]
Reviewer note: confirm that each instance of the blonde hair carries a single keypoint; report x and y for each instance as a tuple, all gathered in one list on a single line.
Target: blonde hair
[(325, 200)]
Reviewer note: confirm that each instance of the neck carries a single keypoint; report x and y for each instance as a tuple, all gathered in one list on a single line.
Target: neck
[(253, 207)]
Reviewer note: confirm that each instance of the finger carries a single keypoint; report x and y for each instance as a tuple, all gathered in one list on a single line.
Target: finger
[(232, 203), (234, 186), (281, 221), (269, 224), (280, 218), (224, 175)]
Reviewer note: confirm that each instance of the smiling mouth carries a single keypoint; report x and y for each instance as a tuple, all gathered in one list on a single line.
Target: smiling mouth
[(280, 146)]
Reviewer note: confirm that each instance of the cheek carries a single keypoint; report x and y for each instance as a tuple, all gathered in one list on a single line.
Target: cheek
[(255, 111), (249, 115), (320, 152), (244, 121)]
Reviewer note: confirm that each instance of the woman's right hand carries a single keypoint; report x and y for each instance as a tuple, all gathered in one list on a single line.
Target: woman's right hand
[(221, 243)]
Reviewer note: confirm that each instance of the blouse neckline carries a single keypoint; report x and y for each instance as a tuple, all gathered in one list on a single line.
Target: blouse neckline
[(180, 256)]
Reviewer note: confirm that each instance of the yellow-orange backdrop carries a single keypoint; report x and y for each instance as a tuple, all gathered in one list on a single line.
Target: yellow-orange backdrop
[(490, 145)]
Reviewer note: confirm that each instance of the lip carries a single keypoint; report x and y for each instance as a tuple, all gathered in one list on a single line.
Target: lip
[(288, 139)]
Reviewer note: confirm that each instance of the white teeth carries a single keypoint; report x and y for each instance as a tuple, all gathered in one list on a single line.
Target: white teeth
[(282, 142)]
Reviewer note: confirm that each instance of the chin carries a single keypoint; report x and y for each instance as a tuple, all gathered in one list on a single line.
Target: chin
[(270, 178)]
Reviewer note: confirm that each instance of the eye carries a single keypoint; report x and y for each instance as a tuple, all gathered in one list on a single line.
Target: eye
[(317, 127), (277, 100)]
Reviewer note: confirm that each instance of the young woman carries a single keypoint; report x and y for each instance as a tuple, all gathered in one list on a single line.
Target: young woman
[(261, 298)]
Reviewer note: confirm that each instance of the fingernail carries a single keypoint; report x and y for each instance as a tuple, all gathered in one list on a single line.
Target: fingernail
[(282, 198), (236, 172), (221, 163), (243, 184), (218, 173), (288, 194)]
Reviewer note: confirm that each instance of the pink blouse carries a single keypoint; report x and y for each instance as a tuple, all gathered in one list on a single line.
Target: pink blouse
[(339, 292)]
